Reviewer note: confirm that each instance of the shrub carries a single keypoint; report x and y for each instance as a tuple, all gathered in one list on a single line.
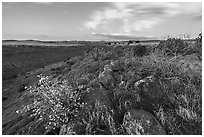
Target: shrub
[(172, 46), (199, 39), (130, 42), (140, 50), (199, 45), (196, 47), (55, 103)]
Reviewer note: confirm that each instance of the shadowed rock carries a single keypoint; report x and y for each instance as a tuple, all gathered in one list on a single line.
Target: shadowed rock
[(140, 122)]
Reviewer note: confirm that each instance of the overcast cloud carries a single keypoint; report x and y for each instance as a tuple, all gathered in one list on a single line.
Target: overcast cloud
[(130, 18), (99, 20)]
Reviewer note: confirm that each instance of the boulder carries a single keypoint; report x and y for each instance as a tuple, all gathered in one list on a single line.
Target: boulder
[(141, 122), (105, 77)]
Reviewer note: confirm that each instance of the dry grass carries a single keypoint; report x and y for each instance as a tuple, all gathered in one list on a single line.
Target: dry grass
[(101, 87)]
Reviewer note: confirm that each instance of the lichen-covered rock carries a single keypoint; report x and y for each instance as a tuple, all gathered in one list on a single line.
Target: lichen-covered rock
[(140, 122), (105, 77)]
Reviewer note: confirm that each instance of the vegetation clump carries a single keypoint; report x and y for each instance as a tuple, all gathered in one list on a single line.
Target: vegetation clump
[(173, 46), (140, 50), (199, 39)]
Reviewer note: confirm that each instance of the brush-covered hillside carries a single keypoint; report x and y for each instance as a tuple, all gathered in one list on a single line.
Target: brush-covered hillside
[(113, 90)]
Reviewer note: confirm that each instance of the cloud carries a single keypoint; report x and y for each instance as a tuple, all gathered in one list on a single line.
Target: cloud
[(43, 3), (190, 7), (193, 10), (33, 36), (5, 7), (134, 17), (117, 36), (197, 17)]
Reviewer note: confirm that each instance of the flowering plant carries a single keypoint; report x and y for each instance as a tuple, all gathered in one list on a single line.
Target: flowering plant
[(55, 102)]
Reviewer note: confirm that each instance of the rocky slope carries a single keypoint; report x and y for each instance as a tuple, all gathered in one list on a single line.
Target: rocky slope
[(109, 90)]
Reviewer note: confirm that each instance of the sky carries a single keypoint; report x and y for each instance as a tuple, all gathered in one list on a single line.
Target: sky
[(100, 20)]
